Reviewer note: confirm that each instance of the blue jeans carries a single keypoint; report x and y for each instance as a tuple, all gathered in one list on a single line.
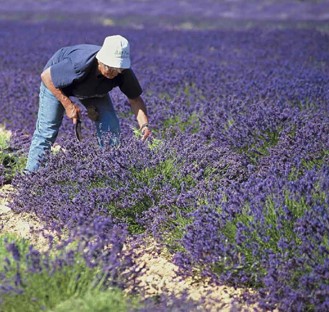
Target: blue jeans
[(50, 116)]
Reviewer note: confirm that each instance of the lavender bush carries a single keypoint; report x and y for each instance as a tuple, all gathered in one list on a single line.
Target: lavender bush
[(235, 181), (82, 263)]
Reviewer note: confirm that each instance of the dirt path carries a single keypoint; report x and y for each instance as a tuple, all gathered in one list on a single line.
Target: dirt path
[(160, 276), (160, 273), (22, 225)]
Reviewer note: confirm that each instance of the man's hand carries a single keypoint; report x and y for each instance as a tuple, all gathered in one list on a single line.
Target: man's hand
[(146, 132), (73, 112)]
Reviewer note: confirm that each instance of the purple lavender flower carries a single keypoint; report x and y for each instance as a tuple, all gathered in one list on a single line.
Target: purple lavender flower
[(237, 188)]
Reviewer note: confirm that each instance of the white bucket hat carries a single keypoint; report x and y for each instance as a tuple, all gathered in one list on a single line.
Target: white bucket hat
[(115, 52)]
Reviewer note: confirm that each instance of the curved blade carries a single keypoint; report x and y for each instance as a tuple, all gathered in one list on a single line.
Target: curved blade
[(77, 130)]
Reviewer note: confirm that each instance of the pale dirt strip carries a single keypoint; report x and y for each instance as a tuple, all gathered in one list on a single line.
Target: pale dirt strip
[(22, 225)]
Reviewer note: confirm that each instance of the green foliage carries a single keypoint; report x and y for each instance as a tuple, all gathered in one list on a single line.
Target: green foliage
[(153, 178), (267, 233), (98, 301), (69, 287), (12, 162), (130, 214), (174, 229), (192, 122), (4, 138), (315, 162), (164, 172), (264, 141), (152, 142), (22, 244)]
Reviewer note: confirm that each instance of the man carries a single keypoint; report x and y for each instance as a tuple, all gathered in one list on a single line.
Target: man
[(86, 72)]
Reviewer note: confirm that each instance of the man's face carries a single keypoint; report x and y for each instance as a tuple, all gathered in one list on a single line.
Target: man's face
[(109, 72)]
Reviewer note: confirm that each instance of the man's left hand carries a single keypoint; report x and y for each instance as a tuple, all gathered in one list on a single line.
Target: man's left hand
[(146, 132)]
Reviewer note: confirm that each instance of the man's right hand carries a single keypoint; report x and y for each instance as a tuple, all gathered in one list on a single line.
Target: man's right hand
[(73, 112)]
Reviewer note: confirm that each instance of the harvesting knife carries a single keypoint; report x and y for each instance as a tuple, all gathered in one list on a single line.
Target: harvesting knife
[(77, 130)]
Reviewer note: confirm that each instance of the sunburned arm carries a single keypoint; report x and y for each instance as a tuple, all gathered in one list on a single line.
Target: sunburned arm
[(139, 109), (71, 109)]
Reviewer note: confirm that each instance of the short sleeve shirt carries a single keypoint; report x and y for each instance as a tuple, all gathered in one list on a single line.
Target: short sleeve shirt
[(74, 70)]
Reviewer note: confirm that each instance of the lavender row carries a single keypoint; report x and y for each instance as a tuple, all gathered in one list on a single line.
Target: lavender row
[(238, 9), (237, 187)]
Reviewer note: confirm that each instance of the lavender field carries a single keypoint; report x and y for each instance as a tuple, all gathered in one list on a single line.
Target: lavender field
[(233, 185)]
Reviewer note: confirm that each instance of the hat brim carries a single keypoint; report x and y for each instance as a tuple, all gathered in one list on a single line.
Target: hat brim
[(115, 62)]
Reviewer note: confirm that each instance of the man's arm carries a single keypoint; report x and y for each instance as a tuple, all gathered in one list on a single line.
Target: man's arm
[(139, 109), (71, 109)]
